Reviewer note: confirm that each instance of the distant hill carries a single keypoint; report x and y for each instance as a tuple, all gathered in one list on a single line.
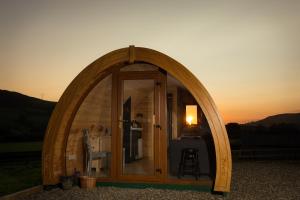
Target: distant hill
[(23, 118), (288, 118), (278, 131)]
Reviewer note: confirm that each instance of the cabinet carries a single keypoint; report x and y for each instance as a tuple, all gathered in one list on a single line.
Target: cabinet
[(133, 145)]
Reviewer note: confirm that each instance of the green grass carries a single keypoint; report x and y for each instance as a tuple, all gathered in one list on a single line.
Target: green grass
[(19, 175), (20, 147)]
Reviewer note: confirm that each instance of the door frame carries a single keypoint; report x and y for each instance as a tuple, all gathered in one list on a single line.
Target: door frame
[(159, 138)]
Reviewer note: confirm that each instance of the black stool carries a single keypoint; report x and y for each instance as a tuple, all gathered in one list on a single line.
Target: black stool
[(189, 162)]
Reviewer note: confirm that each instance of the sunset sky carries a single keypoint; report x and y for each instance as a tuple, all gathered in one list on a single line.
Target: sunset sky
[(246, 53)]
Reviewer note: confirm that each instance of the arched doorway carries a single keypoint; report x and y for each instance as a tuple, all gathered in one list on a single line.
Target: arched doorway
[(58, 142)]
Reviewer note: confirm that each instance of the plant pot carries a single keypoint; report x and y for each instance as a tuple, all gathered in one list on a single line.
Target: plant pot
[(87, 182), (76, 176), (66, 182)]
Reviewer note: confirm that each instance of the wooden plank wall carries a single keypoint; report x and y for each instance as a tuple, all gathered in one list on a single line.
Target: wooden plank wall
[(94, 114), (173, 90), (145, 106), (142, 102)]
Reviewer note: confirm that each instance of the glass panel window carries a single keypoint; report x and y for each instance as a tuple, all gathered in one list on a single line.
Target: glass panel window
[(191, 114), (138, 129), (190, 146), (93, 118)]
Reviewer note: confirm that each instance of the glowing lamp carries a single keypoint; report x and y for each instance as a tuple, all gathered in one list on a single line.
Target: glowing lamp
[(191, 114), (189, 119)]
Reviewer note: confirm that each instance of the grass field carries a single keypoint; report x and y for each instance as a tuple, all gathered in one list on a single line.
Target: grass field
[(19, 175), (21, 147)]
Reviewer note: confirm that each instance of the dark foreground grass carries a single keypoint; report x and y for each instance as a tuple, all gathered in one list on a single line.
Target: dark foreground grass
[(20, 147), (19, 175)]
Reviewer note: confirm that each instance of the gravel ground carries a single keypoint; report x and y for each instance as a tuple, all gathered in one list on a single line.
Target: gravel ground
[(251, 180)]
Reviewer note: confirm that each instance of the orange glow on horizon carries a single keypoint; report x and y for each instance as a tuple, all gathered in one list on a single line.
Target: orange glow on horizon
[(248, 63)]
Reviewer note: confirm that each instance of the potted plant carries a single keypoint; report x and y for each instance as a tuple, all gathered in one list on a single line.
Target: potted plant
[(66, 182)]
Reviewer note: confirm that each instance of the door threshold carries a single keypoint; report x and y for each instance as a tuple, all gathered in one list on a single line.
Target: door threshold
[(199, 188)]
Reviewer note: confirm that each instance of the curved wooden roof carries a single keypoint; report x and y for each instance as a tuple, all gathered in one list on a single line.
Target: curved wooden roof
[(57, 131)]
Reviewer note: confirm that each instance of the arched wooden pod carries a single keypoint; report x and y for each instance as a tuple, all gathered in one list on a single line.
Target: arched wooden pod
[(55, 141)]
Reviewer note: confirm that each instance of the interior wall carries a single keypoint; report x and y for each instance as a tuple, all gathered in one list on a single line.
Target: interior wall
[(180, 98), (142, 102), (173, 90), (94, 114), (184, 97)]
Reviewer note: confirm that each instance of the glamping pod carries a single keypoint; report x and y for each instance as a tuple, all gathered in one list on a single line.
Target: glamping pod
[(137, 116)]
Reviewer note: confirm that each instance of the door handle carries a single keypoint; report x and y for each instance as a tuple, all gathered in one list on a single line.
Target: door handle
[(121, 122), (157, 126), (124, 121)]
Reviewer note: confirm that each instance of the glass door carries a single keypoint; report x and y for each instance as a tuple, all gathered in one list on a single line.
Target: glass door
[(138, 126)]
